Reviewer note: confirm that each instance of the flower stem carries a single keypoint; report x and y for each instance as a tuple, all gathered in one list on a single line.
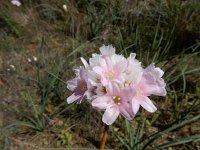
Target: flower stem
[(104, 138)]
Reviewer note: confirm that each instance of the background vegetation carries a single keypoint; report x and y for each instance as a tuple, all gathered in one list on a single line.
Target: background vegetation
[(40, 43)]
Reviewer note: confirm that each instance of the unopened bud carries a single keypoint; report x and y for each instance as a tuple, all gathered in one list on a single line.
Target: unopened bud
[(65, 8)]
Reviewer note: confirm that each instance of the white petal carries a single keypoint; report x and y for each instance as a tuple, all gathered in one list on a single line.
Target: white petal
[(94, 55), (95, 60), (84, 62), (102, 62), (98, 70), (110, 115), (132, 55), (147, 104), (155, 71), (117, 58), (93, 77), (109, 89), (107, 50), (73, 98), (159, 71)]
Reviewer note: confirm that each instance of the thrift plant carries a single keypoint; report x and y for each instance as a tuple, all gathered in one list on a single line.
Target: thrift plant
[(116, 85)]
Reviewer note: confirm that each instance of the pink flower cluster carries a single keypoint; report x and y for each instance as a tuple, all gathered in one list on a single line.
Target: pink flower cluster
[(116, 85)]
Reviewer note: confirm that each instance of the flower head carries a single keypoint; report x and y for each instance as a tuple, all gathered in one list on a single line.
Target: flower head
[(116, 85), (111, 68), (151, 83)]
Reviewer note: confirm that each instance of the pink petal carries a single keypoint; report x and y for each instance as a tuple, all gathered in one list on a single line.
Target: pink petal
[(83, 75), (160, 91), (118, 80), (73, 98), (110, 115), (72, 84), (104, 81), (100, 102), (154, 89), (135, 105), (116, 88), (154, 71), (125, 110), (113, 88), (120, 67), (152, 83), (147, 104), (128, 93)]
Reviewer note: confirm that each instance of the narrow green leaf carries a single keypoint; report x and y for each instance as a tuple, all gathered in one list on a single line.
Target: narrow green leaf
[(184, 140), (124, 143), (171, 128), (130, 132)]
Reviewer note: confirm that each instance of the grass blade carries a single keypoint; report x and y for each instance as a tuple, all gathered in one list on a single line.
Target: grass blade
[(171, 128), (184, 140)]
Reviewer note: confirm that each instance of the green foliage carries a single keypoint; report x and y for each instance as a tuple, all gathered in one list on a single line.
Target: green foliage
[(8, 43), (65, 138), (133, 139), (198, 90), (9, 25), (51, 12), (193, 138), (37, 121), (9, 30)]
